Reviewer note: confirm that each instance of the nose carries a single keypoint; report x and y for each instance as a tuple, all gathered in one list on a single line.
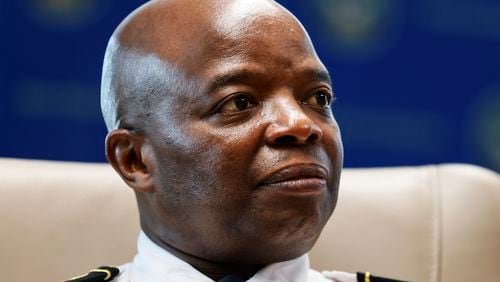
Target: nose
[(291, 126)]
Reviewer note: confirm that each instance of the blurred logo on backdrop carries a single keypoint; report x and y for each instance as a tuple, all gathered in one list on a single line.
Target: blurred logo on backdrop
[(479, 18), (65, 14), (52, 100), (361, 29), (483, 126)]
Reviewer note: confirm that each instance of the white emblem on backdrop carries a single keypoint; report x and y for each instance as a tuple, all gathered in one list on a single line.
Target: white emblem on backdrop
[(65, 14), (361, 29)]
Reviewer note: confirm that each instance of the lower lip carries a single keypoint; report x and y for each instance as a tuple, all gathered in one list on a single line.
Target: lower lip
[(299, 186)]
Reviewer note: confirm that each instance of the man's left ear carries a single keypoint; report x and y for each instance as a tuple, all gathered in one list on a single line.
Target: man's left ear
[(131, 155)]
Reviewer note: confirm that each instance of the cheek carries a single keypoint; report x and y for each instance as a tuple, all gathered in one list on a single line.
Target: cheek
[(332, 140), (229, 150), (207, 161), (182, 161)]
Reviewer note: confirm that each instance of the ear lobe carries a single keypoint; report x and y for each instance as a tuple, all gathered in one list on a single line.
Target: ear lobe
[(127, 152)]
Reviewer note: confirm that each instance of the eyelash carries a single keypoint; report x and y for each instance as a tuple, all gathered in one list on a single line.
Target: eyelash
[(329, 95), (225, 101), (218, 108)]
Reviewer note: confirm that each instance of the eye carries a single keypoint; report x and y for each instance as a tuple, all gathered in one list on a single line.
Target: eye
[(320, 98), (237, 103)]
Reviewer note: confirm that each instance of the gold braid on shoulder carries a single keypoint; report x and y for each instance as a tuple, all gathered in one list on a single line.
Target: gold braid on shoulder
[(101, 274)]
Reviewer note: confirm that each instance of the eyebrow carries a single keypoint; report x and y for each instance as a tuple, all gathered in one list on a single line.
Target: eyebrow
[(248, 75), (233, 78), (318, 74)]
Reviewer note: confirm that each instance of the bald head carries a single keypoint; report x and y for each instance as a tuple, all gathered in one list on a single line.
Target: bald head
[(206, 101), (160, 48)]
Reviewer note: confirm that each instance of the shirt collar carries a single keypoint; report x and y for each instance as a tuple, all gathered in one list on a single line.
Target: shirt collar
[(155, 264)]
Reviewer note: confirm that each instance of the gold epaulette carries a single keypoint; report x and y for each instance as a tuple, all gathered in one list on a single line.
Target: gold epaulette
[(368, 277), (101, 274)]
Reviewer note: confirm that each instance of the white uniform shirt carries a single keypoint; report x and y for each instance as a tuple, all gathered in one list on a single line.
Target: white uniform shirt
[(154, 264)]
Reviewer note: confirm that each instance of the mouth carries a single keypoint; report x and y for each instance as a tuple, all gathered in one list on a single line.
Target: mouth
[(301, 178)]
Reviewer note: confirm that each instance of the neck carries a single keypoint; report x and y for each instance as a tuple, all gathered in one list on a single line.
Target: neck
[(212, 269)]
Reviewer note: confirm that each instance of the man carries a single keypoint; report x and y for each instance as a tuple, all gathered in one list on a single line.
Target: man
[(219, 118)]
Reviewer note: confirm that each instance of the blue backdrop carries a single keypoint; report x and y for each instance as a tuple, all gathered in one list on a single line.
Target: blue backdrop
[(418, 81)]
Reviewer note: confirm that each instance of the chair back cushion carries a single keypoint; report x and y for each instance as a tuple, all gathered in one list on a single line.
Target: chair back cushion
[(430, 223)]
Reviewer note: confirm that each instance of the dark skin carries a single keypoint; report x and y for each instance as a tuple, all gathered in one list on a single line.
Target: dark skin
[(220, 120)]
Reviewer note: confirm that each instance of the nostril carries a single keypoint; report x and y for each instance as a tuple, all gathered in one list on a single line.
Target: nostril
[(287, 139), (313, 138)]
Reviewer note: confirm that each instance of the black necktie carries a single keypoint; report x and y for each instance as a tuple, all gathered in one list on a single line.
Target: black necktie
[(232, 278)]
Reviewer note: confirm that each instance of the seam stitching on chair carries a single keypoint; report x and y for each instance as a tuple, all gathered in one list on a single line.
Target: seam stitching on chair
[(437, 224)]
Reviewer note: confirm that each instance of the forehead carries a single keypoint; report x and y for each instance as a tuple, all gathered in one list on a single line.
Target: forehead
[(193, 34), (237, 18), (235, 40), (259, 39)]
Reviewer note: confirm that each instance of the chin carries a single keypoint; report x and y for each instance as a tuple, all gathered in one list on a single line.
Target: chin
[(280, 252), (298, 239), (280, 245)]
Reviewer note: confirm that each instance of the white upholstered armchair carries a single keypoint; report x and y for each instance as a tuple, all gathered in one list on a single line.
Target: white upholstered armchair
[(429, 223)]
